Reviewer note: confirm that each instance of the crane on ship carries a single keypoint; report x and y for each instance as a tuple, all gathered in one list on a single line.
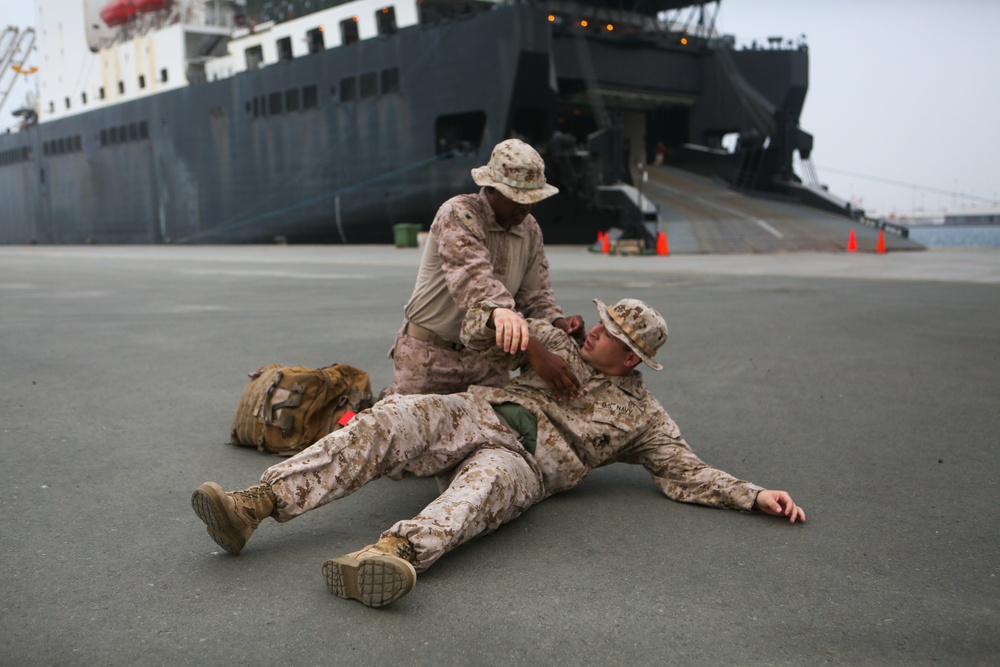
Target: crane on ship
[(15, 47)]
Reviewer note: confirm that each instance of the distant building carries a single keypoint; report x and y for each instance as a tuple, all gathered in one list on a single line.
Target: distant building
[(961, 217)]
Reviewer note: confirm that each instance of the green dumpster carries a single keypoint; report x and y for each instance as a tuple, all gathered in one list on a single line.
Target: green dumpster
[(405, 234)]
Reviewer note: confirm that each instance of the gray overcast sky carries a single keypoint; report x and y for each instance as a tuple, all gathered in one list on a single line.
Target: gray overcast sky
[(900, 90)]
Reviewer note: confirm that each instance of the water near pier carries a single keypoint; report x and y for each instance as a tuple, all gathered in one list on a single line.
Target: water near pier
[(956, 236)]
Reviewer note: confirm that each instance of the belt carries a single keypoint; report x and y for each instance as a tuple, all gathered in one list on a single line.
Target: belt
[(428, 336), (520, 420)]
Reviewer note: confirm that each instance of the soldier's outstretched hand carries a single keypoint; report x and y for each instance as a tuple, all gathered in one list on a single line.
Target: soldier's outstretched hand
[(779, 503)]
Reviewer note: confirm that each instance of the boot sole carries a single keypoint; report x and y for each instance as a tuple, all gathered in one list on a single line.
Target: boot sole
[(374, 581), (208, 503)]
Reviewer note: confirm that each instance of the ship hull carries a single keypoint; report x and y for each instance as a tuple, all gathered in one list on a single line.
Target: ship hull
[(342, 145)]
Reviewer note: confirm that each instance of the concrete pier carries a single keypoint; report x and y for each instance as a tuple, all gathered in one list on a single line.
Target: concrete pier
[(866, 385)]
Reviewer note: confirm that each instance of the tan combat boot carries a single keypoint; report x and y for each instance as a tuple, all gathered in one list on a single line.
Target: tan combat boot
[(232, 517), (377, 575)]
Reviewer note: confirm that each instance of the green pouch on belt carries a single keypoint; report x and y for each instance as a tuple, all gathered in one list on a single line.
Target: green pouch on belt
[(521, 420)]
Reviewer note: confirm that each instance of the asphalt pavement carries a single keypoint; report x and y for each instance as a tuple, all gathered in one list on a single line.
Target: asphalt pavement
[(865, 385)]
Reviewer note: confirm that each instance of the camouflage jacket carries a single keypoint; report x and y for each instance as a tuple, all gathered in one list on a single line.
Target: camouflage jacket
[(615, 419), (471, 259)]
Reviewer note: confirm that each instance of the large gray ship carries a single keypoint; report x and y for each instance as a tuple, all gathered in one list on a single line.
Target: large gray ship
[(212, 122)]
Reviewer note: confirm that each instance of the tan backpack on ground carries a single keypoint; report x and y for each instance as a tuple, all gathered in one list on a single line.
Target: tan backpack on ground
[(284, 409)]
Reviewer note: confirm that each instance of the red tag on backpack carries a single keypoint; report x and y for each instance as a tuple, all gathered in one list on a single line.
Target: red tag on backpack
[(346, 417)]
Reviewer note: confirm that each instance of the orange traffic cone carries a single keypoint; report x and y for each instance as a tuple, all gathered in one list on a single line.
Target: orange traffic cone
[(852, 243), (880, 248), (605, 244), (662, 245)]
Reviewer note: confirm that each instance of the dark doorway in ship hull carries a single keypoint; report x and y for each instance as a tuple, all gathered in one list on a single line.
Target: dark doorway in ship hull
[(669, 126), (577, 121), (459, 133)]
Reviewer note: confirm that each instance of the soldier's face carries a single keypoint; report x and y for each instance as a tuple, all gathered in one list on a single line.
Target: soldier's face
[(605, 352), (508, 212)]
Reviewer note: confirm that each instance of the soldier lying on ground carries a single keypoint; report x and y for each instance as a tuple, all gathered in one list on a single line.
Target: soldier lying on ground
[(502, 449)]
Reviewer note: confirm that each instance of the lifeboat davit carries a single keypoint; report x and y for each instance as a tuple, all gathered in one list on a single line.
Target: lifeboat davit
[(147, 6), (117, 12)]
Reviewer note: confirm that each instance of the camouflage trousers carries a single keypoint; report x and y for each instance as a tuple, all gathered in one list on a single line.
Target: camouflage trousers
[(419, 367), (491, 478)]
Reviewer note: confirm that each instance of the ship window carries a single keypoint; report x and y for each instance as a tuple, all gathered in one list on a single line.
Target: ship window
[(386, 20), (77, 145), (104, 137), (315, 39), (52, 107), (255, 56), (83, 98), (285, 48), (67, 103), (121, 87), (390, 80), (133, 132), (369, 85), (100, 93), (310, 97), (292, 100), (348, 89), (143, 130), (460, 132), (142, 81), (122, 134), (349, 31), (61, 147), (274, 104), (113, 136), (163, 75)]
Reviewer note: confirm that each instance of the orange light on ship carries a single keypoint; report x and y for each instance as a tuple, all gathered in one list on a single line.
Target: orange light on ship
[(354, 18), (552, 18), (583, 23), (610, 27), (684, 40)]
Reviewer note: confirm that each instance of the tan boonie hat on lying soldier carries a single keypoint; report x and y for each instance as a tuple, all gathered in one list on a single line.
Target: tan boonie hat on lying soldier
[(636, 324), (517, 171)]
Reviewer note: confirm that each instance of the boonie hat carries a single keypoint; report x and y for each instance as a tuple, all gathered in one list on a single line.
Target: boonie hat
[(636, 324), (517, 171)]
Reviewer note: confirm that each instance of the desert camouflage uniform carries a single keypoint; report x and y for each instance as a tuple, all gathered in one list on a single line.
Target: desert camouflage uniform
[(469, 259), (493, 478)]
